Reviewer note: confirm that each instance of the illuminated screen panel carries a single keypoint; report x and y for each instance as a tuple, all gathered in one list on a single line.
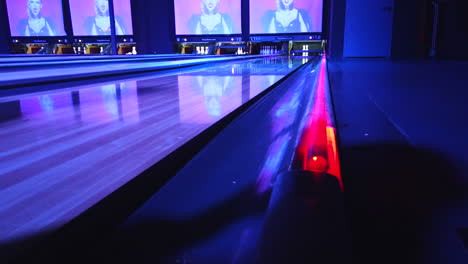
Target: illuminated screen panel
[(91, 17), (285, 16), (207, 17), (35, 18)]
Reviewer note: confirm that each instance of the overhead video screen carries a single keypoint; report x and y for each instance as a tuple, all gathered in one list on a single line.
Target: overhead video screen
[(34, 18), (207, 17), (91, 17), (285, 16)]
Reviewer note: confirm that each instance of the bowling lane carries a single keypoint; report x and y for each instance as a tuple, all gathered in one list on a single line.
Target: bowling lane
[(27, 76), (63, 151), (44, 58), (214, 210), (40, 62)]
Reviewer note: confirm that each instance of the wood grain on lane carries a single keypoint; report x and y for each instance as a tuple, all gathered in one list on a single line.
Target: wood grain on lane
[(60, 156)]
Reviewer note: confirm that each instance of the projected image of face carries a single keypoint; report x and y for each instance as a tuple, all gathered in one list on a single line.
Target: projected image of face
[(285, 16), (99, 25), (102, 7), (92, 17), (207, 17), (35, 7), (36, 24), (35, 18), (287, 3), (210, 5), (210, 21), (286, 19)]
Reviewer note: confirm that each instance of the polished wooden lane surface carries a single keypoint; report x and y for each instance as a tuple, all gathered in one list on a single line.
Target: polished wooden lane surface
[(17, 63), (67, 70), (61, 152), (23, 58)]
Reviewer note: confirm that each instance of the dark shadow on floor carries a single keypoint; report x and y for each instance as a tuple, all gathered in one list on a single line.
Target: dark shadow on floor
[(306, 221), (463, 235), (147, 241), (162, 240), (390, 193)]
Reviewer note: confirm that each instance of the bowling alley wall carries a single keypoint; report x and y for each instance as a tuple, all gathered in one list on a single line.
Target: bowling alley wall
[(411, 29), (154, 24), (154, 27)]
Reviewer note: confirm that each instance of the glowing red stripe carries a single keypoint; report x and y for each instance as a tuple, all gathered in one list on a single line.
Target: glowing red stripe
[(317, 148), (333, 158)]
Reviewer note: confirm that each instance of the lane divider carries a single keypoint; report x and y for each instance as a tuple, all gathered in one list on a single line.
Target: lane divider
[(317, 149)]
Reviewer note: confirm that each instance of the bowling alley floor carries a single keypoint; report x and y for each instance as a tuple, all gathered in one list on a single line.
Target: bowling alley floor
[(403, 130), (64, 150)]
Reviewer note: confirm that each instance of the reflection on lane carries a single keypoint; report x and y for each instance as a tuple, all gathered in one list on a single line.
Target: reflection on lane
[(44, 105), (110, 102), (283, 116), (258, 83), (206, 99), (63, 151)]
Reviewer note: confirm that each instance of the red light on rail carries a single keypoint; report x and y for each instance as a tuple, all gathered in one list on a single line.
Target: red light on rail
[(317, 164), (317, 149)]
